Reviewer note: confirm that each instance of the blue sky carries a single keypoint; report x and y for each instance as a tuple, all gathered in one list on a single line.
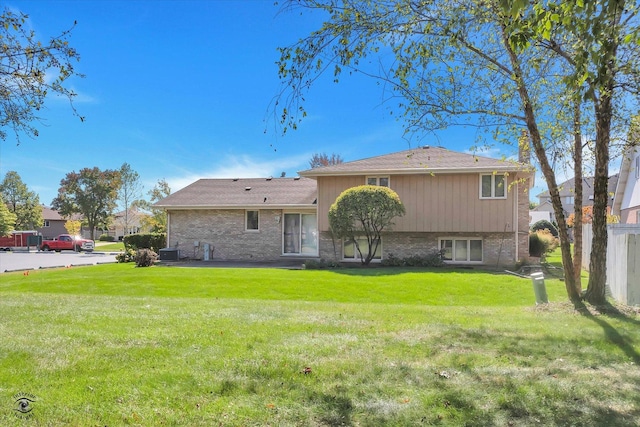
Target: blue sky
[(181, 90)]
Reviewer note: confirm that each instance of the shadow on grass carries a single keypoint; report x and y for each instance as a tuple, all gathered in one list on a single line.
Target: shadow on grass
[(368, 271), (624, 343)]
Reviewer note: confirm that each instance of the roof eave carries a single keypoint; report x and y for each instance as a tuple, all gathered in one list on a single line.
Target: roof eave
[(236, 207), (416, 171)]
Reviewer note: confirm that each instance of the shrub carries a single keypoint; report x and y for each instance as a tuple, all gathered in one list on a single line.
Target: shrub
[(127, 256), (313, 264), (106, 238), (153, 241), (433, 259), (542, 242), (543, 224), (145, 257)]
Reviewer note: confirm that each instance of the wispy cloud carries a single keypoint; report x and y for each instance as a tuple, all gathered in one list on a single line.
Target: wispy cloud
[(242, 166)]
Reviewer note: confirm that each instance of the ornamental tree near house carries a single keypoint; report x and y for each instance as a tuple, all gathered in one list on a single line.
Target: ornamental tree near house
[(364, 211)]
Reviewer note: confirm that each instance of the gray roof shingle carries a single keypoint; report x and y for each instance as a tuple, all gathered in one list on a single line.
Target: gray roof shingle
[(243, 193), (418, 160)]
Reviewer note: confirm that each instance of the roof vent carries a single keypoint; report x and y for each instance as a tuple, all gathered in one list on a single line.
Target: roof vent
[(297, 178), (270, 178), (425, 147), (235, 179), (247, 188)]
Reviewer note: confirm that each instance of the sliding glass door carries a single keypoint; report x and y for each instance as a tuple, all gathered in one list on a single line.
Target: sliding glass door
[(300, 234)]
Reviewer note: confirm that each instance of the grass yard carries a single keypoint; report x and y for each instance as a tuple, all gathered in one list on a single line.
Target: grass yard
[(109, 246), (113, 345)]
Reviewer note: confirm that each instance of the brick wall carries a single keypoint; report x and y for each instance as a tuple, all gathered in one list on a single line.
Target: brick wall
[(498, 248), (225, 230)]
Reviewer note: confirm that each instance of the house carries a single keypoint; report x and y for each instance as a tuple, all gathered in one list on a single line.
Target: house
[(53, 223), (126, 222), (567, 196), (475, 209), (626, 202)]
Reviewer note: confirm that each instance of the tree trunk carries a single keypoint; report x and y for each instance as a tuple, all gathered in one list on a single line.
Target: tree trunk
[(598, 262), (547, 171), (577, 212), (601, 91)]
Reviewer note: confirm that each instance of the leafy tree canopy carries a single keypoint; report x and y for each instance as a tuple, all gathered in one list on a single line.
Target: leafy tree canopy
[(30, 70), (7, 219), (323, 159), (364, 211), (91, 193), (24, 204)]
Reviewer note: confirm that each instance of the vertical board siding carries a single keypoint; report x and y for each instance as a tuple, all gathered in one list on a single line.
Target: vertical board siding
[(433, 203)]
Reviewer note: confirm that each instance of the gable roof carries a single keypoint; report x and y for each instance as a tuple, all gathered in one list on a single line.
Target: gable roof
[(568, 188), (242, 193), (51, 214), (419, 160)]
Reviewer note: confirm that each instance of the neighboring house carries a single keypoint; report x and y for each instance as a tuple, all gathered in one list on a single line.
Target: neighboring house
[(535, 216), (124, 225), (475, 209), (567, 196), (53, 224), (626, 202)]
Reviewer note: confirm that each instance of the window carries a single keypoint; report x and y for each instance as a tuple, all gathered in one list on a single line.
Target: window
[(461, 250), (570, 200), (349, 250), (638, 167), (300, 234), (493, 186), (252, 220), (381, 181), (46, 223)]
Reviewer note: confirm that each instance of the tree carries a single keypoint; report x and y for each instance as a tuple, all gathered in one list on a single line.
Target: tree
[(366, 211), (129, 194), (7, 219), (73, 226), (23, 203), (587, 217), (91, 193), (499, 65), (323, 159), (30, 70), (157, 221)]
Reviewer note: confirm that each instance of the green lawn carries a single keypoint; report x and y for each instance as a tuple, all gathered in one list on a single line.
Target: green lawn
[(109, 246), (118, 345)]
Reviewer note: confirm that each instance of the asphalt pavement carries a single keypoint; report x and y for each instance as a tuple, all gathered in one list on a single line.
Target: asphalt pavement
[(33, 260)]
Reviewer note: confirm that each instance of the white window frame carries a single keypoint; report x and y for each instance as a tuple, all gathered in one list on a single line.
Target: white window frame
[(46, 223), (377, 180), (356, 256), (453, 247), (493, 186), (638, 167), (246, 221)]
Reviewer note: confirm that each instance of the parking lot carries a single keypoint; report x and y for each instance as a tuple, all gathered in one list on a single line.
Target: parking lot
[(23, 260)]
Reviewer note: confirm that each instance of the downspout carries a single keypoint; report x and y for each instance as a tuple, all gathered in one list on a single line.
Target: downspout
[(168, 229)]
